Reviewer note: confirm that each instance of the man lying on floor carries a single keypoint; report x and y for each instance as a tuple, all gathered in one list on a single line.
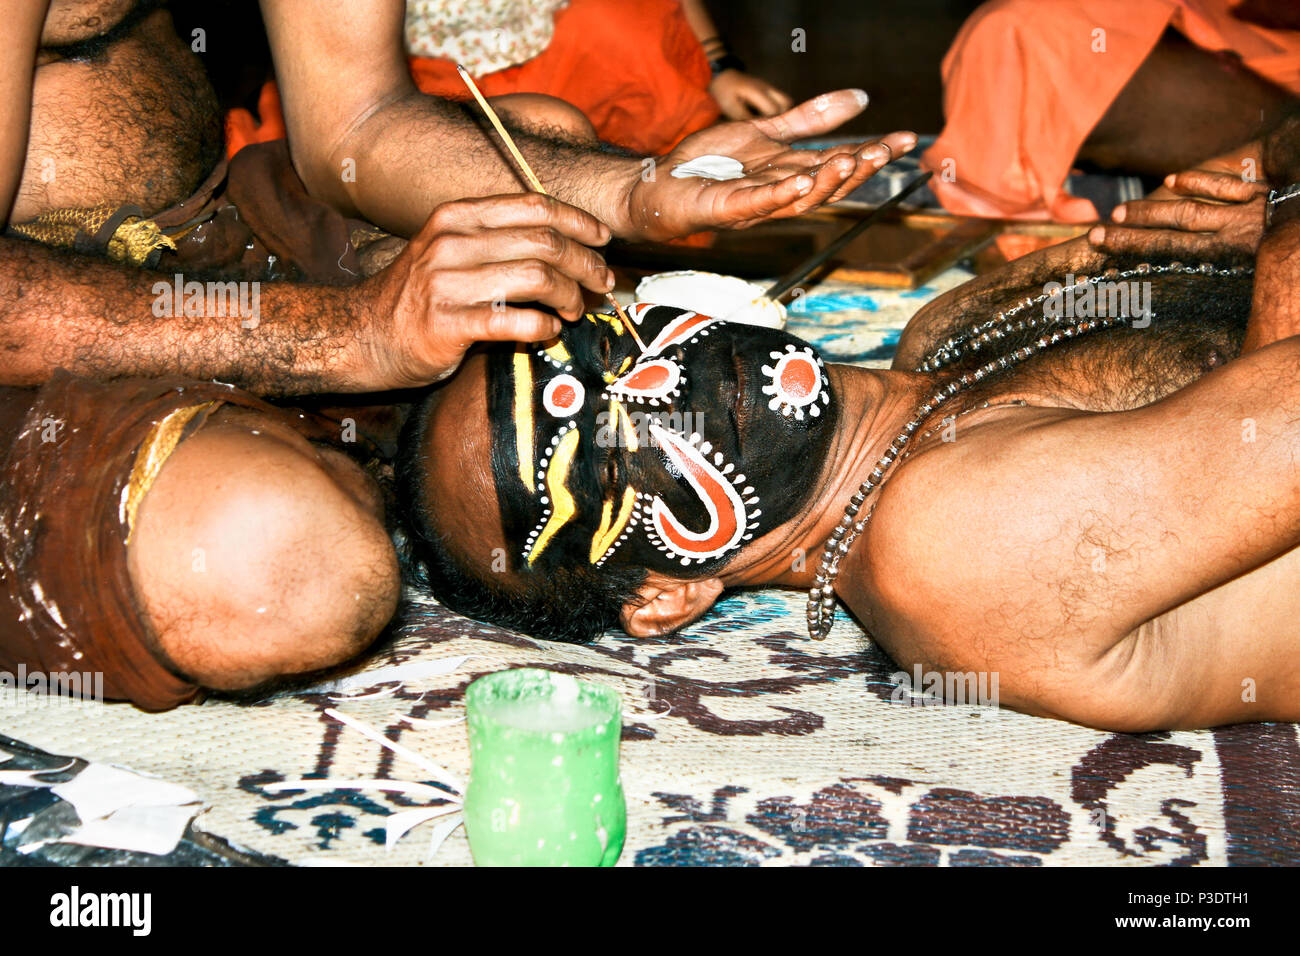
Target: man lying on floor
[(1105, 511), (177, 534)]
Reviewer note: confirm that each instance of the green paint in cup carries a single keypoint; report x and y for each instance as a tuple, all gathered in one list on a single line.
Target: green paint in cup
[(544, 788)]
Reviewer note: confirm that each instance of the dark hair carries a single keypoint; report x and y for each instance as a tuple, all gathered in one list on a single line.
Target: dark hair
[(574, 604)]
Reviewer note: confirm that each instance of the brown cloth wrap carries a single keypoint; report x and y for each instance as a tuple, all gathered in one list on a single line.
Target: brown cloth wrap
[(66, 599)]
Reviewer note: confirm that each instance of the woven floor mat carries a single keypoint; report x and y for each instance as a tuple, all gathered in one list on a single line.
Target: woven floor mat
[(744, 743)]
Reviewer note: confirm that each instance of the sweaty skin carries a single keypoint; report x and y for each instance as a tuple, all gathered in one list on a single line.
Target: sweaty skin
[(1136, 550), (101, 102)]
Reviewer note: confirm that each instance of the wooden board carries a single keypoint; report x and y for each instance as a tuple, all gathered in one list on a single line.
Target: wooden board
[(900, 252)]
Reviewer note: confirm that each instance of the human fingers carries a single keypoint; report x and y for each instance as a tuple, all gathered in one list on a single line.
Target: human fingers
[(743, 203), (758, 96), (1221, 186), (1153, 242), (828, 180), (516, 209), (1187, 215), (813, 117), (546, 243), (735, 107), (873, 157), (488, 323), (497, 283), (780, 99)]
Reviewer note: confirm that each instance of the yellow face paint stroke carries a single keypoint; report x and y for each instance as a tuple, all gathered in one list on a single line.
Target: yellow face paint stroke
[(619, 418), (604, 537), (629, 430), (562, 508), (559, 352), (523, 376)]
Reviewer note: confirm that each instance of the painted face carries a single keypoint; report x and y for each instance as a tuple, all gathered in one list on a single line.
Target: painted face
[(667, 458)]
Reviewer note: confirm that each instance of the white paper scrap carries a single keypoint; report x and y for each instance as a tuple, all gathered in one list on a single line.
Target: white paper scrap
[(361, 727), (440, 834), (101, 789), (142, 829), (411, 670), (399, 824)]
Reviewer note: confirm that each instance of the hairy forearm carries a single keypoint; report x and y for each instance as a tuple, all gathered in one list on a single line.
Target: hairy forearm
[(1275, 307), (102, 320), (419, 151)]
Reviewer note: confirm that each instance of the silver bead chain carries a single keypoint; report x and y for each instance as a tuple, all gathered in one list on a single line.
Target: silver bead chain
[(821, 596), (1001, 325)]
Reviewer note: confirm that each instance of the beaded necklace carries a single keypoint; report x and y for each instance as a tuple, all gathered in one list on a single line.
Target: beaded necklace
[(821, 596)]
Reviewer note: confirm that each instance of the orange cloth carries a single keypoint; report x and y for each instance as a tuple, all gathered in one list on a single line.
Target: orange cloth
[(243, 128), (1023, 88), (634, 69)]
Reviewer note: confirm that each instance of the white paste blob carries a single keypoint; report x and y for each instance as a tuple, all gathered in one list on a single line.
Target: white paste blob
[(725, 297), (714, 167)]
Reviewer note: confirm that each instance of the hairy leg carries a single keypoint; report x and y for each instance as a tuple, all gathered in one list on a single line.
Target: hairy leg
[(1182, 106), (257, 555)]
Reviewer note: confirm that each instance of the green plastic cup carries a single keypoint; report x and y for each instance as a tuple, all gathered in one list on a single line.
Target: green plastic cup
[(544, 788)]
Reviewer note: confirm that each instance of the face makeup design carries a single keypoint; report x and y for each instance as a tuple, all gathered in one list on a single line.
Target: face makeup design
[(667, 458), (794, 382)]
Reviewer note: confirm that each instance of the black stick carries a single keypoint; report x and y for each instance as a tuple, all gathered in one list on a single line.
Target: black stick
[(810, 265)]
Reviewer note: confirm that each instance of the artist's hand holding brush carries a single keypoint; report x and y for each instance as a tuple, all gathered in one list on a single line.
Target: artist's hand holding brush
[(481, 270)]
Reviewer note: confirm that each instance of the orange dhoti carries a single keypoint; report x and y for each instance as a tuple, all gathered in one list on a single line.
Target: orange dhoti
[(1026, 81), (634, 69)]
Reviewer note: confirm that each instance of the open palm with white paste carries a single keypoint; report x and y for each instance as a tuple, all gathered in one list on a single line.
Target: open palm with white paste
[(778, 181)]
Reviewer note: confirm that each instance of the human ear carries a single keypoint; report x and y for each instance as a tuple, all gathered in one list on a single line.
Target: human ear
[(664, 604)]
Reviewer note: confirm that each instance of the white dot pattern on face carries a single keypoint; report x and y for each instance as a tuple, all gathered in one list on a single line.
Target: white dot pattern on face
[(751, 525), (667, 394), (789, 401), (631, 526), (786, 400), (626, 389), (541, 486)]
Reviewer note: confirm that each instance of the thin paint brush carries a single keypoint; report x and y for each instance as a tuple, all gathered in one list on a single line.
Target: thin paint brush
[(533, 182)]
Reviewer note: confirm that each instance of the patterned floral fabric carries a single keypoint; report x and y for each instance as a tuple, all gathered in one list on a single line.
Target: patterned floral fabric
[(482, 35)]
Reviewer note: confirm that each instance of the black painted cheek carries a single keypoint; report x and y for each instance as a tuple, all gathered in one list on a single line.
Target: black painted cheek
[(783, 456)]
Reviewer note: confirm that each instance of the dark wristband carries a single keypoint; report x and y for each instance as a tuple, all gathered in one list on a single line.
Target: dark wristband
[(727, 61)]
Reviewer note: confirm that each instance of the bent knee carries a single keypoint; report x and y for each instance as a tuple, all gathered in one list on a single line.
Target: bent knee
[(252, 559)]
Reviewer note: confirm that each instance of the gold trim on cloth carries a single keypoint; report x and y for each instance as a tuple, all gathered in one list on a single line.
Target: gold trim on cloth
[(153, 454), (134, 241)]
